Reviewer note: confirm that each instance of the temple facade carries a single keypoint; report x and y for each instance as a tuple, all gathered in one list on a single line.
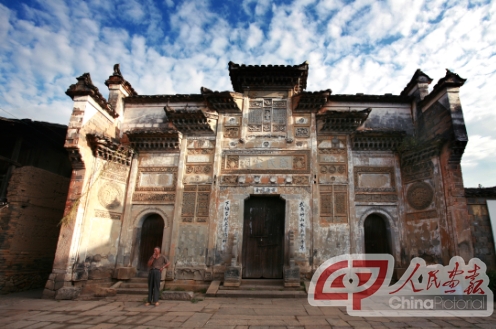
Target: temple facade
[(266, 181)]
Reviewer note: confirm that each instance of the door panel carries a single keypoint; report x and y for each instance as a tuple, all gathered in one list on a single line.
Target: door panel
[(376, 235), (263, 238), (151, 236)]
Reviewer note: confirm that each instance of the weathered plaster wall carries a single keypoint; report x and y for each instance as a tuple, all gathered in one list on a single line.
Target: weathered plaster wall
[(482, 236), (29, 228)]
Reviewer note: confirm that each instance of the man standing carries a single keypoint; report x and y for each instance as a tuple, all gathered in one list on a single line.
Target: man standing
[(156, 264)]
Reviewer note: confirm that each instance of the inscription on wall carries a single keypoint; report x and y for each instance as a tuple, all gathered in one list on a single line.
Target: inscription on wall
[(156, 179), (301, 227), (268, 161), (374, 179), (225, 223)]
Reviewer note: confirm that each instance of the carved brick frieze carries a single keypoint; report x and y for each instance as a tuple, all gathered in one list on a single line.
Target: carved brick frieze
[(154, 198), (332, 169), (302, 132), (377, 140), (270, 161), (310, 101), (300, 180), (333, 204), (374, 179), (154, 139), (376, 198), (192, 120), (109, 149), (198, 169), (417, 171), (420, 195), (156, 179), (107, 214), (229, 179), (231, 132), (421, 215), (254, 128), (332, 157), (341, 121)]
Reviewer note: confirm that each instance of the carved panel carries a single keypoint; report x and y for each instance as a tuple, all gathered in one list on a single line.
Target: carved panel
[(189, 203), (198, 169), (279, 128), (279, 116), (156, 160), (232, 121), (254, 128), (332, 169), (188, 219), (202, 204), (255, 117), (333, 204), (267, 102), (420, 195), (374, 179), (421, 215), (257, 103), (154, 197), (302, 132), (232, 132), (229, 179), (110, 195), (279, 103), (297, 180), (156, 179), (376, 198), (266, 161), (266, 127)]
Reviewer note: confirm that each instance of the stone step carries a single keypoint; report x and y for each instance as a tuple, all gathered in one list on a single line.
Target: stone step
[(134, 285), (261, 288), (132, 291), (262, 282), (261, 294)]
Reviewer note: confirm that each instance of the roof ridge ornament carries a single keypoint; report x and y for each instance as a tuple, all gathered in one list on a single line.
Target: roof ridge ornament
[(117, 79), (85, 87)]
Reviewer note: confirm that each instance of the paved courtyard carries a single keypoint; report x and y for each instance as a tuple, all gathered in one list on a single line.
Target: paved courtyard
[(26, 310)]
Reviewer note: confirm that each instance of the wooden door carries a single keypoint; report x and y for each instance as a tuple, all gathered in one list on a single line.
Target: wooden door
[(151, 237), (376, 235), (263, 238)]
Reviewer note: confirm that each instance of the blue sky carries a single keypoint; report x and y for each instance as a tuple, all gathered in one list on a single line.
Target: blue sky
[(168, 46)]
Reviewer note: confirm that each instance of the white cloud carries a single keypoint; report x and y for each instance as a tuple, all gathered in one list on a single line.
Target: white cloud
[(166, 47)]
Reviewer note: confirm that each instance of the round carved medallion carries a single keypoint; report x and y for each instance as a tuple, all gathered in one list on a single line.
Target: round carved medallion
[(110, 195), (419, 195)]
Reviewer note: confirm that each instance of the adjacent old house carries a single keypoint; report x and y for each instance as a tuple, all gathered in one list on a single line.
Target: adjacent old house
[(265, 181), (34, 179)]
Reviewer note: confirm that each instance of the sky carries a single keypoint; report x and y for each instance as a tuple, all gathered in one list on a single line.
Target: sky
[(169, 46)]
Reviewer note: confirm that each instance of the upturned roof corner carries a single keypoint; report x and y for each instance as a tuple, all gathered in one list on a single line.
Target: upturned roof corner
[(85, 87), (117, 79), (418, 77)]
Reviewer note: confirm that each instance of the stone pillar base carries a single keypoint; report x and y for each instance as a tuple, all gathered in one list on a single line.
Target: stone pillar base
[(291, 276), (232, 276), (124, 273)]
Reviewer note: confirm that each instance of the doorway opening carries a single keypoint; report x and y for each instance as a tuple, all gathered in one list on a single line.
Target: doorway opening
[(152, 232), (263, 237), (377, 235)]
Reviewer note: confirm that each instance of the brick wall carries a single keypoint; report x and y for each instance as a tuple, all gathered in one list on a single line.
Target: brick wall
[(481, 231), (29, 228)]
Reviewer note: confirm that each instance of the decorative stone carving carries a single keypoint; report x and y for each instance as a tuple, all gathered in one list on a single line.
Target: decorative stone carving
[(110, 195), (229, 179), (300, 180), (332, 169), (232, 132), (420, 195), (154, 197), (200, 169), (302, 132), (254, 128), (156, 179), (281, 128), (232, 162), (267, 161), (376, 198)]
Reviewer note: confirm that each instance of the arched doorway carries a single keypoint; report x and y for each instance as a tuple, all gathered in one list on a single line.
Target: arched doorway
[(263, 238), (377, 235), (152, 232)]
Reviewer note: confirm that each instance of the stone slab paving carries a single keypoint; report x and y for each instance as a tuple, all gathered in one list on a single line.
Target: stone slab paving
[(28, 311)]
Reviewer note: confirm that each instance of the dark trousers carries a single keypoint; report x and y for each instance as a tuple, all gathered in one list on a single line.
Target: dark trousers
[(153, 285)]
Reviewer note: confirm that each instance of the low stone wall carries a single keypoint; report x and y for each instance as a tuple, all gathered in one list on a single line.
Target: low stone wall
[(29, 228)]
